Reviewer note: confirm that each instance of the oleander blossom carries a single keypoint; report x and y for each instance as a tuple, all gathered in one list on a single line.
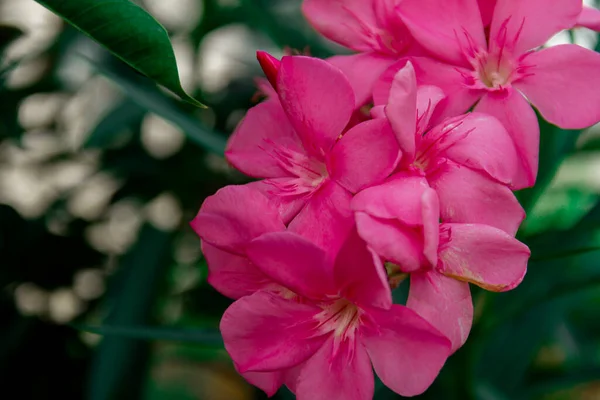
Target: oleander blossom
[(469, 160), (399, 220), (500, 73), (337, 324), (351, 199), (301, 143)]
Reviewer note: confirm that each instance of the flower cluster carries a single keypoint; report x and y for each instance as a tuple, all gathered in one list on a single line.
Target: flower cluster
[(372, 170)]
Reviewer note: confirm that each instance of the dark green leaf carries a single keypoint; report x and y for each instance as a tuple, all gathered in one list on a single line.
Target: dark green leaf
[(506, 352), (591, 219), (199, 336), (550, 384), (555, 145), (119, 366), (127, 31), (567, 243), (559, 209)]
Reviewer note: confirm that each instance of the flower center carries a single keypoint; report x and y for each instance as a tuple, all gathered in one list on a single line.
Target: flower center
[(431, 146), (340, 317), (495, 71), (496, 67), (307, 173)]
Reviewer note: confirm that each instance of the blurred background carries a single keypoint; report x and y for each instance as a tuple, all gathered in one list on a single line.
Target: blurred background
[(103, 291)]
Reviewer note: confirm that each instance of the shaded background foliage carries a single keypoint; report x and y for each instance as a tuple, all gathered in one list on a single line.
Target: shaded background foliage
[(103, 291)]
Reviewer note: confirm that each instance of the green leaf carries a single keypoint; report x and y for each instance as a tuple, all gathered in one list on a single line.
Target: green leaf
[(552, 384), (199, 336), (559, 244), (152, 99), (558, 209), (505, 353), (128, 32), (591, 219), (119, 366), (555, 145)]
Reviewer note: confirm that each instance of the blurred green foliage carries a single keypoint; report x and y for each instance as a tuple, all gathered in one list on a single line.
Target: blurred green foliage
[(104, 293)]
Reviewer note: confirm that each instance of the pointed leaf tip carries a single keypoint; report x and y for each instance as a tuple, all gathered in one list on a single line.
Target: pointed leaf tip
[(128, 32)]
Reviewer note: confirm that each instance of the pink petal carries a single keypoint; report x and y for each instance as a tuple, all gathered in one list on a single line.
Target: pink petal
[(589, 18), (263, 127), (529, 24), (406, 351), (398, 198), (459, 99), (383, 86), (392, 240), (520, 121), (294, 263), (291, 377), (233, 276), (563, 85), (326, 220), (401, 108), (270, 66), (468, 196), (366, 155), (445, 28), (362, 70), (478, 141), (394, 37), (361, 275), (317, 98), (287, 206), (444, 302), (483, 255), (428, 98), (265, 332), (430, 211), (486, 7), (433, 73), (224, 224), (346, 374), (268, 382), (351, 23)]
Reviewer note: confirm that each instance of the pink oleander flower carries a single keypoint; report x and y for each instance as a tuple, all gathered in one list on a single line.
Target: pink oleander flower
[(501, 74), (335, 325), (399, 220), (370, 27), (469, 160), (226, 223), (301, 145)]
